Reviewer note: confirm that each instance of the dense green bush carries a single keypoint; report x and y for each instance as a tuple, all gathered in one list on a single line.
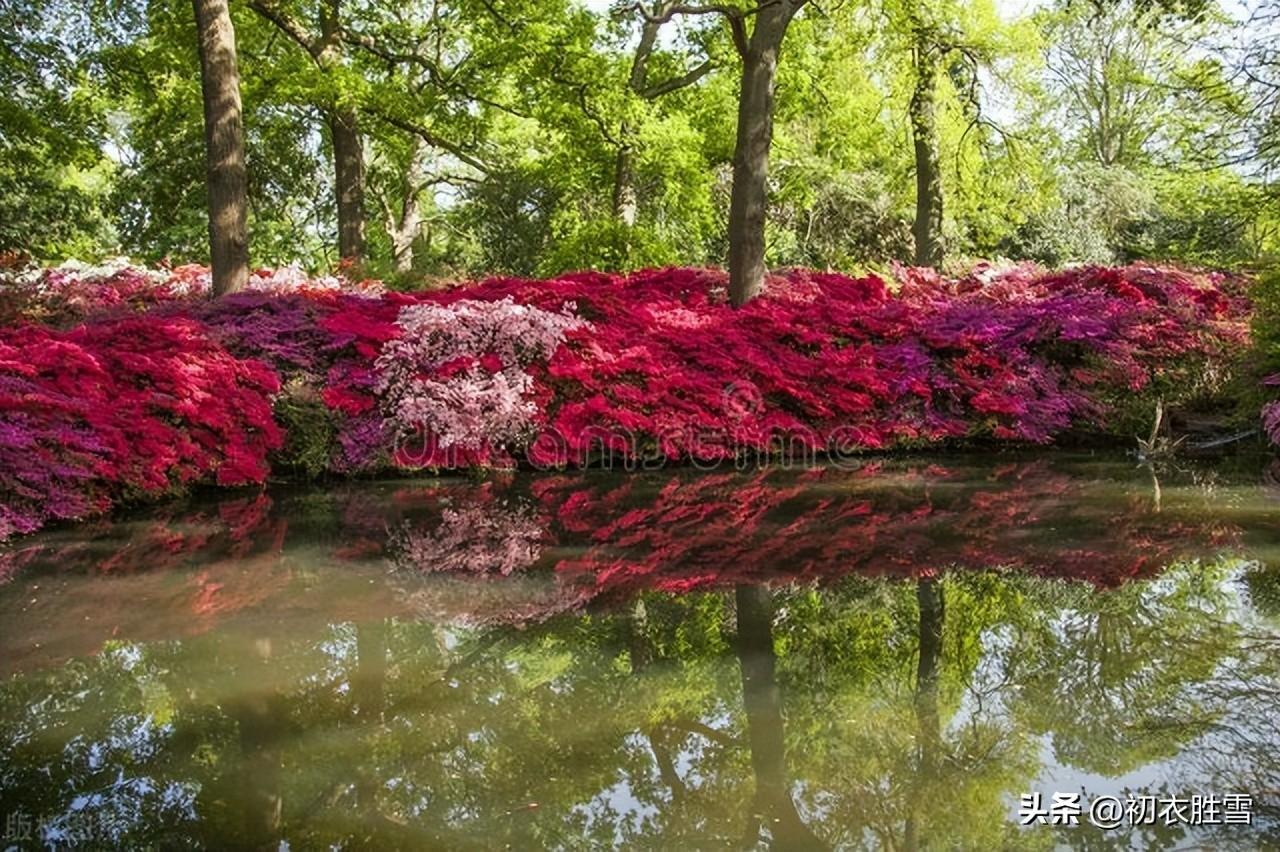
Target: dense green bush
[(1266, 318), (309, 433)]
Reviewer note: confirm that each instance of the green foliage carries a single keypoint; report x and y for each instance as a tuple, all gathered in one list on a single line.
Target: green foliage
[(493, 134), (310, 435), (53, 175), (607, 244), (1266, 318)]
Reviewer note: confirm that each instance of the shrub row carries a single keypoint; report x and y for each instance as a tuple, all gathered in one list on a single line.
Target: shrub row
[(145, 394)]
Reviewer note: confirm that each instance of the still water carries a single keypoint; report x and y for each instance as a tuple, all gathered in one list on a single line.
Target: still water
[(887, 657)]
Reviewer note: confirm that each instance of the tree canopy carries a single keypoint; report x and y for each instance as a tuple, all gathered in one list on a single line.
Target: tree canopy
[(454, 138)]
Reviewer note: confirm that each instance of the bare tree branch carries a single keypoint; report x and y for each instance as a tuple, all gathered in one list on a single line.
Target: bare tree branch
[(305, 39), (431, 138), (677, 83)]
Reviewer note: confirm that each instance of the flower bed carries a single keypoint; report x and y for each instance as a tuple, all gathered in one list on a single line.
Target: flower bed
[(148, 386)]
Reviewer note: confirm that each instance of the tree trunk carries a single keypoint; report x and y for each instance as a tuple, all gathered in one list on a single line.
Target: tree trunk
[(403, 235), (348, 148), (227, 181), (625, 202), (751, 152), (404, 227), (348, 174), (927, 228)]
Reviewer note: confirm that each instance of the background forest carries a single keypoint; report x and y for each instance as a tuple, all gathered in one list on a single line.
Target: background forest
[(460, 138)]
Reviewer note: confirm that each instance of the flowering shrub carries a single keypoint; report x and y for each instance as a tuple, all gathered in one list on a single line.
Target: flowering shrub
[(827, 362), (138, 405), (455, 385), (156, 389), (61, 294), (1271, 413)]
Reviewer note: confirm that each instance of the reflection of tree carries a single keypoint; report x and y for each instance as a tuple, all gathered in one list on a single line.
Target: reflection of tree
[(614, 693), (659, 724), (929, 739), (773, 807), (261, 716), (1113, 678)]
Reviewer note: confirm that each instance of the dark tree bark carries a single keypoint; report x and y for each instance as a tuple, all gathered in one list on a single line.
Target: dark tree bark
[(747, 203), (348, 148), (227, 181), (927, 228), (348, 183)]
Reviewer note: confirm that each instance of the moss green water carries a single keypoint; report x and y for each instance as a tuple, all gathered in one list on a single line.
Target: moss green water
[(889, 656)]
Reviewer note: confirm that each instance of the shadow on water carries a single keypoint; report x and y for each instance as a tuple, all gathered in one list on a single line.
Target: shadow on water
[(886, 657)]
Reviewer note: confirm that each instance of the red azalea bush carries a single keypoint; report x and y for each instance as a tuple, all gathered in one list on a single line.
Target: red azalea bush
[(823, 361), (170, 389), (135, 405)]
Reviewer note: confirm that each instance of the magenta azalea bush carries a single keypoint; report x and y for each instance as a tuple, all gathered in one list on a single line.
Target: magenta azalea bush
[(1271, 413), (125, 382)]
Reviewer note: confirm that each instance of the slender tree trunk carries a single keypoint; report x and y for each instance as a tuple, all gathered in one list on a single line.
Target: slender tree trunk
[(348, 173), (403, 235), (749, 197), (404, 227), (927, 228), (625, 202), (227, 181), (348, 148)]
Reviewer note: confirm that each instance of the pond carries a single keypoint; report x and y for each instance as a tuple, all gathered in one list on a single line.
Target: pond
[(891, 653)]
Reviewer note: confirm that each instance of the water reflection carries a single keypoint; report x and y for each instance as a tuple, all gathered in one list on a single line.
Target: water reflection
[(872, 659)]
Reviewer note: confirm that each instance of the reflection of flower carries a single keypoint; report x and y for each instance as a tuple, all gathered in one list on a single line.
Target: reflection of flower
[(517, 550), (470, 569), (517, 600), (476, 539), (717, 530)]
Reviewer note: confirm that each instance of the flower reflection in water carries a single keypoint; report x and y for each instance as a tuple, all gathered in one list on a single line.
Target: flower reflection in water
[(879, 658)]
